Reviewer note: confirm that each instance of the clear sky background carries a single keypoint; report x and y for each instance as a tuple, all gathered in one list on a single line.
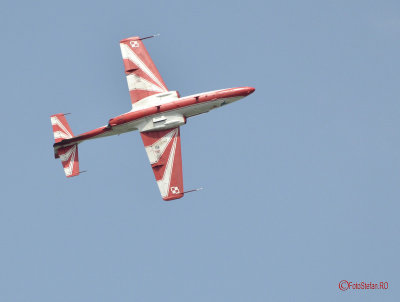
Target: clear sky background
[(301, 178)]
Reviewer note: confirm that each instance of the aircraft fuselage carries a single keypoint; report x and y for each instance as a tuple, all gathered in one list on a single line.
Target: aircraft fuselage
[(163, 111)]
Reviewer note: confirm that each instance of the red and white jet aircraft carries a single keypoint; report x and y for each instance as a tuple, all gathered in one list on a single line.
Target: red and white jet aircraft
[(156, 112)]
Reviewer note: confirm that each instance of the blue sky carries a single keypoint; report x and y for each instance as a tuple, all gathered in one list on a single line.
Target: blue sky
[(301, 178)]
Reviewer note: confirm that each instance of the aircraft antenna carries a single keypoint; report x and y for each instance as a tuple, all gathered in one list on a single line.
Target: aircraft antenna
[(152, 36), (194, 190)]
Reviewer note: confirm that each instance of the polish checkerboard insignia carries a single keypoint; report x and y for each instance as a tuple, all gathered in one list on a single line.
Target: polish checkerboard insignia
[(175, 190), (134, 44)]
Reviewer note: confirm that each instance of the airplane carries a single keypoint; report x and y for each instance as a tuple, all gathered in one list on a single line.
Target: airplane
[(157, 113)]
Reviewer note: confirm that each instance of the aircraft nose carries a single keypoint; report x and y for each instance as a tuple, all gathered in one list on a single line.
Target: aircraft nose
[(250, 90)]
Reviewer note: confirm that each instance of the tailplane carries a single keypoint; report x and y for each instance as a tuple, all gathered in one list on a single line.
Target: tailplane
[(68, 154), (61, 129), (69, 159)]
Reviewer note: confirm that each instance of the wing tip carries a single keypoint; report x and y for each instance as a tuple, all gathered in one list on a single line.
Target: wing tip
[(130, 39), (136, 38), (173, 197)]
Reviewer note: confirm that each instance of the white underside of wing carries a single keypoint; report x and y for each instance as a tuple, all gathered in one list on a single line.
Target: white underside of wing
[(138, 83), (127, 53), (164, 183), (156, 150)]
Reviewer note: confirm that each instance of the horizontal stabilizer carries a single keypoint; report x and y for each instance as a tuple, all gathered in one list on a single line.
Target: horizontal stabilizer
[(61, 129), (69, 160), (68, 154)]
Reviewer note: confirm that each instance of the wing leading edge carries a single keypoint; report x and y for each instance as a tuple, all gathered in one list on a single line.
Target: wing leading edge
[(163, 149)]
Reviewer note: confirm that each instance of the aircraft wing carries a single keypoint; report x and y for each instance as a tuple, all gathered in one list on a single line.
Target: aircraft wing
[(163, 149), (142, 75)]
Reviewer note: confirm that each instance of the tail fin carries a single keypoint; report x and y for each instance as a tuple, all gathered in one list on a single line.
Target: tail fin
[(61, 129), (69, 154)]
